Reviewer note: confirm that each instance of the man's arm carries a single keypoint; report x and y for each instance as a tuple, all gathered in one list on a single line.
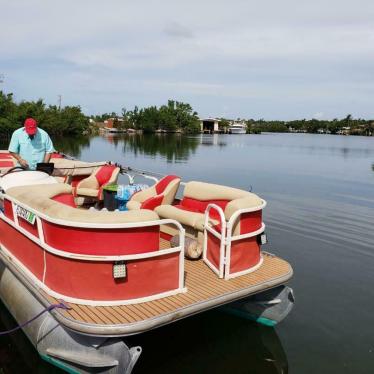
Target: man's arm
[(48, 149), (47, 157), (14, 149), (20, 159)]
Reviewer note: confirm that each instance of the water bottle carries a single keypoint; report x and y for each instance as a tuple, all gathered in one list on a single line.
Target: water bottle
[(120, 191), (126, 193)]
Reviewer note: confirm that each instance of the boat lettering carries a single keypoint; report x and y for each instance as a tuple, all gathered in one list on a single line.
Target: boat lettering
[(25, 214)]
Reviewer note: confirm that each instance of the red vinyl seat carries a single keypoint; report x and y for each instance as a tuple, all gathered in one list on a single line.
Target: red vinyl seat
[(93, 185), (163, 192)]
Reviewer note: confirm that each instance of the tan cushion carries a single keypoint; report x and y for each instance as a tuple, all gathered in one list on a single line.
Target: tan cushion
[(47, 190), (60, 179), (114, 178), (195, 220), (64, 167), (251, 201), (38, 197), (170, 191), (182, 216), (90, 182), (133, 205), (87, 192), (200, 223), (144, 195), (208, 191)]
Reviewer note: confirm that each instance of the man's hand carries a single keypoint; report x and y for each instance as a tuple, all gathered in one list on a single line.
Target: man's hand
[(23, 163)]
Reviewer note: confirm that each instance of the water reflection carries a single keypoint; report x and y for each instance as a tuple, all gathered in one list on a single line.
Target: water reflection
[(72, 146), (174, 147), (214, 139), (211, 343)]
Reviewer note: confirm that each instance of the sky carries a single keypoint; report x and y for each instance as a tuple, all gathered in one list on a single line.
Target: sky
[(268, 59)]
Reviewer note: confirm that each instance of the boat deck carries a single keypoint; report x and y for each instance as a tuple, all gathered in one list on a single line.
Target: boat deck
[(205, 291)]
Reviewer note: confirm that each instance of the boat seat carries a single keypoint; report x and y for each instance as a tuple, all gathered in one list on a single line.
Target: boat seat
[(163, 192), (230, 242), (92, 186), (41, 198), (184, 216), (197, 196)]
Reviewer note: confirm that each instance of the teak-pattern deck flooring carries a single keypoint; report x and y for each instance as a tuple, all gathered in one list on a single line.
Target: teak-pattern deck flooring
[(202, 285)]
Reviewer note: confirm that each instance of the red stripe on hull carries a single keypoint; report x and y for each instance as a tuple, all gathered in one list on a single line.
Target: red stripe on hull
[(26, 251), (31, 228), (8, 211), (106, 242), (94, 280)]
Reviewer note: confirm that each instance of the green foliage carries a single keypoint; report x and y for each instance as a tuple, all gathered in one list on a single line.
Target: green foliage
[(68, 120), (175, 116), (223, 124), (313, 126), (103, 117)]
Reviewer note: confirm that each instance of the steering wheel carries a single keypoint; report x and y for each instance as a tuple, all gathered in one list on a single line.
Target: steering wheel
[(14, 169)]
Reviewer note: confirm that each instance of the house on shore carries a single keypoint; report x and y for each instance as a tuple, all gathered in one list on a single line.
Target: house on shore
[(209, 125), (114, 125)]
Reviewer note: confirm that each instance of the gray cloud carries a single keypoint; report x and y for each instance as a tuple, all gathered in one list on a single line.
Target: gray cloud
[(177, 30), (245, 58)]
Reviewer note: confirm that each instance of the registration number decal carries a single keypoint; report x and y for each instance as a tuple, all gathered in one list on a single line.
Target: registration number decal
[(25, 214)]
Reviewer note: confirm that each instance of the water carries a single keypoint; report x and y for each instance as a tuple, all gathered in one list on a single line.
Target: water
[(320, 216)]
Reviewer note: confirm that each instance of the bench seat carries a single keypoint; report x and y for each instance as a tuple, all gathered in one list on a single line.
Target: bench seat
[(197, 196), (185, 216), (227, 223)]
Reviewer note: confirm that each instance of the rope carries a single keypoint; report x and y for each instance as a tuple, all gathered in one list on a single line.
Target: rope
[(60, 305)]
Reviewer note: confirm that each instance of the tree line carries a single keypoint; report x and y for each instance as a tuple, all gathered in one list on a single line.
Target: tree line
[(68, 120), (172, 117), (352, 125)]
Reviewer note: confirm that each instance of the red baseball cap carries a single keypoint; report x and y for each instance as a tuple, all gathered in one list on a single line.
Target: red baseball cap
[(31, 126)]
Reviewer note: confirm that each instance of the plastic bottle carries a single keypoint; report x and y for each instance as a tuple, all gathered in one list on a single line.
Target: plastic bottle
[(120, 191)]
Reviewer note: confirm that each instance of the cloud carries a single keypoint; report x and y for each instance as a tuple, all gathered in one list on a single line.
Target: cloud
[(272, 59), (176, 30)]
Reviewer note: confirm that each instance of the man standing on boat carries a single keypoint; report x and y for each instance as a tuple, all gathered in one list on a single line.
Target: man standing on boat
[(30, 145)]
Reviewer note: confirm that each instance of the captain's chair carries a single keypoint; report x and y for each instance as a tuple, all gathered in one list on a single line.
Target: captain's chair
[(163, 192), (93, 185)]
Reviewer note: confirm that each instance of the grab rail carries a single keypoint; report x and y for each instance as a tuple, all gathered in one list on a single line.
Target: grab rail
[(221, 236)]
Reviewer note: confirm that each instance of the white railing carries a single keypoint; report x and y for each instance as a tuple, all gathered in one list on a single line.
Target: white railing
[(226, 238)]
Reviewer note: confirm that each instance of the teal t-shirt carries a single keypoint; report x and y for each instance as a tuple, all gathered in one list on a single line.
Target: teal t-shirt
[(33, 151)]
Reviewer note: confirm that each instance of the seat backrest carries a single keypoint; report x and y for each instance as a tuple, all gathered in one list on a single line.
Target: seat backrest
[(198, 195), (209, 191), (104, 174), (170, 189), (163, 192), (163, 183)]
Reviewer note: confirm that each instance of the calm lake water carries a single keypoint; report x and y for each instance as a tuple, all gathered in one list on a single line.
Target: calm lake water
[(320, 217)]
